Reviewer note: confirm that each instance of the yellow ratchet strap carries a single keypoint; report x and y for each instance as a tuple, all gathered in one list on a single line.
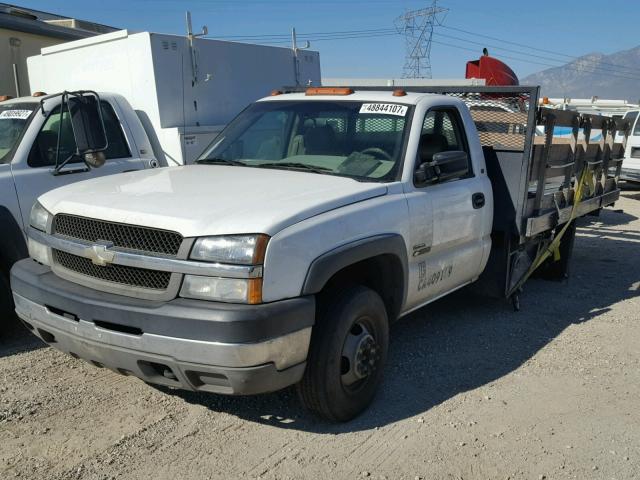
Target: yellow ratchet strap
[(586, 180)]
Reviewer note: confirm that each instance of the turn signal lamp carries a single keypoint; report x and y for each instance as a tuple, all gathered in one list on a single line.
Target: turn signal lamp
[(328, 91)]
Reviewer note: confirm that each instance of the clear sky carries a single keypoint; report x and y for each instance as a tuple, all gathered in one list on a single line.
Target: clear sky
[(567, 27)]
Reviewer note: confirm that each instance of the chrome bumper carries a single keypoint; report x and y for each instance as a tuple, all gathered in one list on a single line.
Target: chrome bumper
[(232, 368)]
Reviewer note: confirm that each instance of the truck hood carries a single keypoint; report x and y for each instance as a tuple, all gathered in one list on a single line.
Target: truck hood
[(198, 200)]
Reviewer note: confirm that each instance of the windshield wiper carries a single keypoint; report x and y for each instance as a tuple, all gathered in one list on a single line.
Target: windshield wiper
[(219, 161), (294, 166)]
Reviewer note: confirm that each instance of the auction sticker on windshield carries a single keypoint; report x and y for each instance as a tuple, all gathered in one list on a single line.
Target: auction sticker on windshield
[(384, 108), (17, 114)]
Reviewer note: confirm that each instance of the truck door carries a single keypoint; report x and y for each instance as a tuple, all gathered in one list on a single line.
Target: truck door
[(32, 168), (447, 218)]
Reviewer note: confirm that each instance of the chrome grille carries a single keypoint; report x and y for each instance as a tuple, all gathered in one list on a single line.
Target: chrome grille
[(131, 237), (132, 276)]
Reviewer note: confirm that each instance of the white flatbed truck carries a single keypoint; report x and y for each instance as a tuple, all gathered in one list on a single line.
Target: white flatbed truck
[(314, 220), (34, 160)]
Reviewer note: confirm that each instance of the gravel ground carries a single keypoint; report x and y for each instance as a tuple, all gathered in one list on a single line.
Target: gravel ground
[(472, 390)]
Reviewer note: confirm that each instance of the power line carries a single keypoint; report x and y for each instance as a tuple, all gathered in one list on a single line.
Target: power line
[(562, 63), (370, 30), (593, 66), (269, 41), (532, 47), (531, 61)]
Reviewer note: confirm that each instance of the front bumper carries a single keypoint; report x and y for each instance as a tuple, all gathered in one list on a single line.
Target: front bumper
[(189, 344)]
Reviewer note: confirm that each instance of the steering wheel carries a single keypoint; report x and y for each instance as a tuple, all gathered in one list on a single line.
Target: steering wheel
[(377, 151)]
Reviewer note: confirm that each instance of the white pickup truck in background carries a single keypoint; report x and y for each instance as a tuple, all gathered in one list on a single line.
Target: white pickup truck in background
[(169, 97), (29, 128), (631, 165), (315, 219)]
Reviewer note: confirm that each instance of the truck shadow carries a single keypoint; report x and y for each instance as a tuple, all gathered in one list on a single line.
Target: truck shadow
[(15, 338), (465, 341)]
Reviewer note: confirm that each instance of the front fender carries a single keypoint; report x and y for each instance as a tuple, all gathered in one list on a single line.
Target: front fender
[(328, 264), (303, 256)]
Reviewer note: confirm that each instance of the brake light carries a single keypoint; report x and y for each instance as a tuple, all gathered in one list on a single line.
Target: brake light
[(328, 91)]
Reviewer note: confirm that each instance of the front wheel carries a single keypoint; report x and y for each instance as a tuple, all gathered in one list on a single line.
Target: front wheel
[(6, 303), (347, 354)]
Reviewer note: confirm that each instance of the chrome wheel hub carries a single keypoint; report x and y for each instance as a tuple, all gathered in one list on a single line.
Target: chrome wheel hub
[(360, 355)]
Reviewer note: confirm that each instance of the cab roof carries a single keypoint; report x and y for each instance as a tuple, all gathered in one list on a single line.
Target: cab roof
[(385, 96), (19, 100)]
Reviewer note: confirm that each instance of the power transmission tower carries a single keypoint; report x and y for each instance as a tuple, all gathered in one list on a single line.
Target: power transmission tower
[(417, 27)]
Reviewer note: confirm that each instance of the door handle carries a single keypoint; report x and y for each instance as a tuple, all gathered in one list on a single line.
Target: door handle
[(477, 199)]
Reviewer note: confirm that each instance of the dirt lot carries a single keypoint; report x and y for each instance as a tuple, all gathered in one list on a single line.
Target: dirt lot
[(472, 390)]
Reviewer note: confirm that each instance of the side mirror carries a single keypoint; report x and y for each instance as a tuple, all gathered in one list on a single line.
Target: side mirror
[(89, 132), (83, 112), (444, 166)]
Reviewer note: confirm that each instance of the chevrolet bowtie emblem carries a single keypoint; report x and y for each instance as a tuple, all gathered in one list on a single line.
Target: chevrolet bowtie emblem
[(100, 254)]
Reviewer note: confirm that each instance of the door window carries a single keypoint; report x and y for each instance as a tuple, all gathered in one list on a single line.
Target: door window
[(43, 151), (441, 132), (631, 116)]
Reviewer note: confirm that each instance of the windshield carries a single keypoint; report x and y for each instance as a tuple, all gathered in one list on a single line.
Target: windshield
[(14, 119), (352, 139)]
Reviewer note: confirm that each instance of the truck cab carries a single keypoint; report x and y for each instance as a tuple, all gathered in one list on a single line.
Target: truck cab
[(29, 128)]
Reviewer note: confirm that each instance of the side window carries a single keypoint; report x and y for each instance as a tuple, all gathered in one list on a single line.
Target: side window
[(43, 151), (441, 129), (442, 132), (632, 116), (118, 147)]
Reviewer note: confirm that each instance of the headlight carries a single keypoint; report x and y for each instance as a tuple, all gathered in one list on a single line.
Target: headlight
[(234, 290), (237, 249), (39, 252), (39, 218)]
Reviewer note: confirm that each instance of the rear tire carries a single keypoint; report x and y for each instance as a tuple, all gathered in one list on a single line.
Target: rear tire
[(347, 354)]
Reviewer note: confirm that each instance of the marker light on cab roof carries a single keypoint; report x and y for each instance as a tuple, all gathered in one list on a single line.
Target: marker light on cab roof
[(328, 91)]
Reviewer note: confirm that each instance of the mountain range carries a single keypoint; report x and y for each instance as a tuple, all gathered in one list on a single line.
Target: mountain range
[(614, 76)]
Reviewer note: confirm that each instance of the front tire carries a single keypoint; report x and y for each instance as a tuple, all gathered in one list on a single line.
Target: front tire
[(6, 304), (347, 354)]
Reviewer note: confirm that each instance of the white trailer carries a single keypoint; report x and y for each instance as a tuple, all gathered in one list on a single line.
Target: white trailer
[(592, 106), (184, 90)]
